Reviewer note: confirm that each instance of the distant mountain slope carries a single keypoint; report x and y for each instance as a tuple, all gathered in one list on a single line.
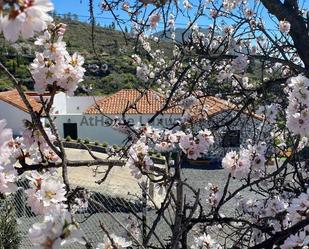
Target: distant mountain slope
[(181, 34), (112, 71)]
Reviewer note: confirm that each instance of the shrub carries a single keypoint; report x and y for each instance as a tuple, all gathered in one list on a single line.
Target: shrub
[(97, 143), (86, 141), (115, 146), (9, 234), (79, 140), (68, 139), (105, 144)]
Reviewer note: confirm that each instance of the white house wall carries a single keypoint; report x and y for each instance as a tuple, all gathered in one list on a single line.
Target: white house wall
[(13, 116), (64, 104), (95, 127), (79, 104), (60, 103)]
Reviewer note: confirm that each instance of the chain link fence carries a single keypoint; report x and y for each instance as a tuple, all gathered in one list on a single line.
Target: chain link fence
[(112, 211)]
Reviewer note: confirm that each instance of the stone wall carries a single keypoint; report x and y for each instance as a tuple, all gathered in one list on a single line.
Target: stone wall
[(249, 127)]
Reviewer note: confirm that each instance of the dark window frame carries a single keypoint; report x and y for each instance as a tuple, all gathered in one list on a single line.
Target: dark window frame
[(231, 138)]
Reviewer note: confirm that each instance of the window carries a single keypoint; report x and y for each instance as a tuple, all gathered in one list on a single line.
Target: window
[(231, 139)]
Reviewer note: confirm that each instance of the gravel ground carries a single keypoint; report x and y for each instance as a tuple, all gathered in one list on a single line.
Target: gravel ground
[(197, 178)]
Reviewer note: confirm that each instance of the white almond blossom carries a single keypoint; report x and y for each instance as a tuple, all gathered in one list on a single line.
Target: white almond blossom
[(205, 242), (299, 208), (55, 231), (299, 240), (187, 4), (118, 243), (31, 17), (54, 66), (188, 102)]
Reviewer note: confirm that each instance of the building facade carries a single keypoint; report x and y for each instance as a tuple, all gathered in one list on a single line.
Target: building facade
[(89, 117)]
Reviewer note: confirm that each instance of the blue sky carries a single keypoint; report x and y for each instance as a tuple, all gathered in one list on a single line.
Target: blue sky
[(81, 8)]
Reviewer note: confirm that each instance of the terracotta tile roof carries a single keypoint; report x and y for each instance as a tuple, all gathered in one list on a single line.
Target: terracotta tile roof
[(150, 103), (12, 97), (211, 105)]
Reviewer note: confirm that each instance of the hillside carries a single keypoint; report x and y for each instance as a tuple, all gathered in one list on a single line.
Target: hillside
[(108, 72)]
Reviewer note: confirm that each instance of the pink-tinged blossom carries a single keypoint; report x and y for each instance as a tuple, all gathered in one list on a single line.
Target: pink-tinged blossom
[(237, 164), (240, 63), (284, 26), (257, 156), (138, 159), (55, 231), (126, 6), (249, 13), (46, 193), (154, 20), (299, 207), (196, 146), (8, 178), (229, 5), (228, 30), (297, 112), (213, 13), (17, 147), (275, 206), (137, 59), (31, 137), (164, 146), (143, 72), (34, 146), (213, 195), (270, 112), (31, 17), (299, 240), (189, 147)]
